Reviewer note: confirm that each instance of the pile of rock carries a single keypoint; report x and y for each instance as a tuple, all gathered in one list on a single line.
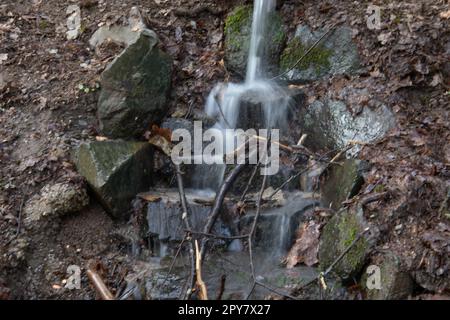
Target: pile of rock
[(134, 95)]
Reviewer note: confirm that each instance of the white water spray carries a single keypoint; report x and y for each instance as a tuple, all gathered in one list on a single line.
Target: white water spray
[(224, 101)]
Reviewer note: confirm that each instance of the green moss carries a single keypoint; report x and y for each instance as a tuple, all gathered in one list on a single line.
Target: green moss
[(238, 19), (276, 26), (43, 24), (319, 57), (349, 230), (379, 188)]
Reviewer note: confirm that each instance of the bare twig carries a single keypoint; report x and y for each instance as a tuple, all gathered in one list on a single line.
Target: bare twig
[(223, 279), (216, 236), (203, 292), (321, 275), (19, 218), (309, 167), (99, 285), (185, 218), (253, 229), (172, 264), (215, 210)]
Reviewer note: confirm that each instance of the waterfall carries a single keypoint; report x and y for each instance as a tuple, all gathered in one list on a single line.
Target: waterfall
[(224, 101), (261, 11)]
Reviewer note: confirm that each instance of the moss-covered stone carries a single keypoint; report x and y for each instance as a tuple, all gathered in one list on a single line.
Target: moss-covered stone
[(341, 182), (134, 89), (116, 171), (336, 54), (318, 58), (338, 234), (237, 39)]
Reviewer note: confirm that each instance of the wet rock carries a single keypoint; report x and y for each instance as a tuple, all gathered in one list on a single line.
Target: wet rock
[(277, 227), (55, 201), (330, 125), (395, 283), (256, 103), (164, 214), (337, 235), (237, 40), (337, 54), (116, 171), (135, 88), (178, 123), (153, 281), (341, 182)]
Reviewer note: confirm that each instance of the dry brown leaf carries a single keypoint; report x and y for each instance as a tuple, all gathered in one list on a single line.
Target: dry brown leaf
[(150, 197), (306, 246)]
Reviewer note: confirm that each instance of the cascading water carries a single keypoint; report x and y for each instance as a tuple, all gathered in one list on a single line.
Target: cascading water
[(225, 100)]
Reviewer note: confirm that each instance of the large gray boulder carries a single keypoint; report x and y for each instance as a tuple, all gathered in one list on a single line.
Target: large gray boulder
[(331, 125), (135, 87), (335, 54), (116, 171), (238, 27)]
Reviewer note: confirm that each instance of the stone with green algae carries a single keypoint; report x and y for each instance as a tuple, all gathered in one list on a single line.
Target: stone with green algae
[(116, 171), (237, 31), (337, 53), (339, 234)]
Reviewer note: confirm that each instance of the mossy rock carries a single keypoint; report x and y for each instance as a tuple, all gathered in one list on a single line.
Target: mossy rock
[(335, 54), (394, 282), (134, 90), (341, 182), (116, 171), (237, 31), (318, 59), (337, 235)]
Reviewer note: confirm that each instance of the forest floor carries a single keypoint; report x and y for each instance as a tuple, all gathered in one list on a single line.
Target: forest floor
[(44, 114)]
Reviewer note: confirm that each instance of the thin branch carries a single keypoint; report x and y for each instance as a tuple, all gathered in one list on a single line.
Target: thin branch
[(215, 210), (185, 218), (99, 285), (203, 294), (223, 279), (335, 262), (309, 167), (216, 236), (172, 264)]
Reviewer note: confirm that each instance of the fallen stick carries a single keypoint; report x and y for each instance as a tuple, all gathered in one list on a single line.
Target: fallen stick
[(215, 210), (203, 294), (99, 285), (185, 218), (223, 279)]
